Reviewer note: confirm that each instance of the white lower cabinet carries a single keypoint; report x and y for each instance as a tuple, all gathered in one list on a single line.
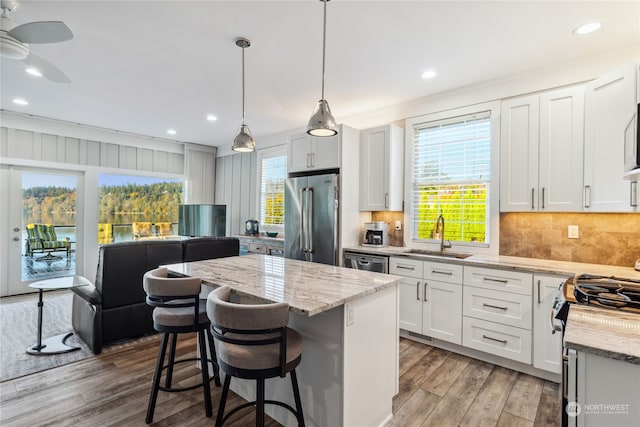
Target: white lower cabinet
[(547, 346), (497, 316), (430, 307), (442, 311), (495, 338)]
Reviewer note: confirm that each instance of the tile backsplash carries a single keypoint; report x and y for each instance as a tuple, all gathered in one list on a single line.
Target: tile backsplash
[(396, 237), (604, 238)]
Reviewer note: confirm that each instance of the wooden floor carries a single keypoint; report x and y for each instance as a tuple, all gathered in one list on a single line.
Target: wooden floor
[(437, 388)]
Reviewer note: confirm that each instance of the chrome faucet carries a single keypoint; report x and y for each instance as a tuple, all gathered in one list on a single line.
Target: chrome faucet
[(440, 229)]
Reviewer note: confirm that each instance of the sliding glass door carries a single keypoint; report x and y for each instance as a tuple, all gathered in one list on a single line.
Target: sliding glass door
[(41, 220)]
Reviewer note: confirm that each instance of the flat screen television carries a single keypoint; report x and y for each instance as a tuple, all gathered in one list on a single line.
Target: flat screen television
[(202, 220)]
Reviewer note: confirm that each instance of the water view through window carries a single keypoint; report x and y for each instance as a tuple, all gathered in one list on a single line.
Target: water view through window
[(137, 207)]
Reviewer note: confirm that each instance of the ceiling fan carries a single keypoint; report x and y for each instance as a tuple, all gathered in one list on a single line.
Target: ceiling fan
[(14, 39)]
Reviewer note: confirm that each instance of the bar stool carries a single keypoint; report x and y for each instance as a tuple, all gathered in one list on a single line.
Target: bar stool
[(178, 309), (255, 343)]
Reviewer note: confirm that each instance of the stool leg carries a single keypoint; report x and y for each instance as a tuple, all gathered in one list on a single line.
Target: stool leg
[(223, 400), (156, 378), (204, 368), (260, 403), (296, 396), (214, 358), (172, 358)]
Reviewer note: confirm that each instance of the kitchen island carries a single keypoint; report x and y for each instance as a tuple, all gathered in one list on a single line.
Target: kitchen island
[(349, 322)]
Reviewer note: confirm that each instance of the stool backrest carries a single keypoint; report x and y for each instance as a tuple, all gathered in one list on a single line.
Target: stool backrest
[(248, 324), (172, 292)]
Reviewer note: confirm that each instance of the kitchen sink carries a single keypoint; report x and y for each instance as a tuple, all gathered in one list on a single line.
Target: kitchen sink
[(438, 253)]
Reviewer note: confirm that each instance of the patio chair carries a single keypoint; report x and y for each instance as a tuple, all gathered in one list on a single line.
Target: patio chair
[(141, 230), (105, 233), (163, 230), (42, 238)]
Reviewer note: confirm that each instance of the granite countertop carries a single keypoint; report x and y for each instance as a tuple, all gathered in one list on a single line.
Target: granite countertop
[(607, 333), (530, 265), (309, 288), (261, 237)]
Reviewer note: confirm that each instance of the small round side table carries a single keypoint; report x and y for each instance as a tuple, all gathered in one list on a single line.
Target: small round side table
[(55, 344)]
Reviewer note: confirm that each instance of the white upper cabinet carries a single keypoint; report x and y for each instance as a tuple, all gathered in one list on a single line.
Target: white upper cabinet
[(381, 168), (308, 153), (541, 160), (610, 104)]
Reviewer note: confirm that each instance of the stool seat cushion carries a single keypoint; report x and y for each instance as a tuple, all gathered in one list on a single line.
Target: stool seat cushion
[(180, 316), (258, 356)]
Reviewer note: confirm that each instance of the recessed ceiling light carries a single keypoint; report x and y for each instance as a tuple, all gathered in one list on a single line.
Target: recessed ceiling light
[(33, 72), (429, 74), (171, 131), (211, 117), (587, 28), (20, 101)]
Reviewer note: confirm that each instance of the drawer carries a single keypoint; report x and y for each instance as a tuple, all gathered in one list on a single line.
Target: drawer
[(255, 248), (405, 267), (496, 306), (501, 340), (275, 251), (442, 272), (499, 280)]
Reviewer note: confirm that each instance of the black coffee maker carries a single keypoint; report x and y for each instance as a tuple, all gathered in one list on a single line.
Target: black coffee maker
[(251, 227)]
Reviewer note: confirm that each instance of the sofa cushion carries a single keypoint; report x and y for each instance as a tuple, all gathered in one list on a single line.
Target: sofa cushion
[(201, 248), (122, 265)]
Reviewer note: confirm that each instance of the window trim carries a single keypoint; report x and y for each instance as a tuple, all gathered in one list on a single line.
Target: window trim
[(494, 194), (266, 153)]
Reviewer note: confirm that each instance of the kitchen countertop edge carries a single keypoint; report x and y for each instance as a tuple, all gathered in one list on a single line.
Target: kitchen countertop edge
[(527, 265), (607, 333)]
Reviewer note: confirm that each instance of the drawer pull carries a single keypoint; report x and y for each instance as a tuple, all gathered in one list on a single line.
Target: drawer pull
[(488, 279), (404, 267), (494, 306), (494, 339), (448, 273)]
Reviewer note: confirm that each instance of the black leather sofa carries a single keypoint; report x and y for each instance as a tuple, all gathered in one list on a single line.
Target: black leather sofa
[(115, 308)]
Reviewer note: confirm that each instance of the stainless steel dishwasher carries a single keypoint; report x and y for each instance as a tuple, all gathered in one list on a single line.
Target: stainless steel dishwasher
[(378, 264)]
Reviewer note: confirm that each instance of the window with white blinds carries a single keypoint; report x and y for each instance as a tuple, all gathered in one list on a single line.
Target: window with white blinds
[(273, 173), (451, 177)]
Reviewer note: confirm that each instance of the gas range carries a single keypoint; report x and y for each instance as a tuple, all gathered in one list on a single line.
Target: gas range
[(607, 292)]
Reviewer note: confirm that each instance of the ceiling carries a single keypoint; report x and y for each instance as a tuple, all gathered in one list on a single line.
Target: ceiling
[(147, 66)]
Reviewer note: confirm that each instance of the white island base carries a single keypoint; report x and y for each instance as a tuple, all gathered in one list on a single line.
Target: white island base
[(349, 369)]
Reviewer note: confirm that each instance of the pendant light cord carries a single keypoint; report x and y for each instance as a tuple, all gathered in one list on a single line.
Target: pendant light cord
[(243, 85), (324, 43)]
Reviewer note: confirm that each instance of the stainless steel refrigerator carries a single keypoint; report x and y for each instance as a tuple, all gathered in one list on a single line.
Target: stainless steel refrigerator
[(311, 218)]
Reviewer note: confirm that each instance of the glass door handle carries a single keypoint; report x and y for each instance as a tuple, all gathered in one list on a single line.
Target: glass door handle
[(16, 239)]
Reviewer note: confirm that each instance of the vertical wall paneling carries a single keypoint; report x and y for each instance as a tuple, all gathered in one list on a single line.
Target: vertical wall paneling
[(72, 151), (128, 157), (176, 163), (93, 153), (200, 167), (60, 150), (37, 146), (160, 161), (20, 144), (3, 142), (236, 188), (82, 152), (49, 147), (145, 159), (109, 155)]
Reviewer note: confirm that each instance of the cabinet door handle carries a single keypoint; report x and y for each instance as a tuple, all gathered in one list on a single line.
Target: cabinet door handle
[(446, 273), (488, 279), (418, 290), (405, 267), (633, 197), (542, 198), (538, 291), (386, 200), (308, 160), (486, 337), (533, 191), (494, 306), (424, 297), (587, 196), (313, 160)]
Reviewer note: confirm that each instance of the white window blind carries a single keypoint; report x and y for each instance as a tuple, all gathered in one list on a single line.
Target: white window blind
[(451, 177), (273, 173)]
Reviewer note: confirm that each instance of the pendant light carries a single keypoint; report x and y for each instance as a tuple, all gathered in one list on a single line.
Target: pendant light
[(322, 122), (243, 142)]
